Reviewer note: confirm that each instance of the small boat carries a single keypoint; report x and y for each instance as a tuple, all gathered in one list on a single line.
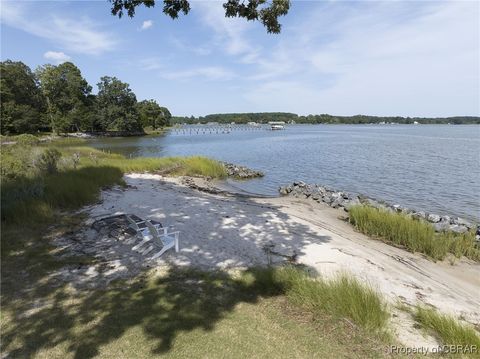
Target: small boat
[(277, 125)]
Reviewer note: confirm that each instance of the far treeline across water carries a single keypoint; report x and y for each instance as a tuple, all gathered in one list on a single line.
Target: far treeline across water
[(265, 117)]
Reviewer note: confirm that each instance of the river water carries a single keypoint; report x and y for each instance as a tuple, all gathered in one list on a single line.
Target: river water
[(435, 168)]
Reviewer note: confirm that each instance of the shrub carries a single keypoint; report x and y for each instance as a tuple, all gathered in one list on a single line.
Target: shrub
[(26, 140), (48, 160)]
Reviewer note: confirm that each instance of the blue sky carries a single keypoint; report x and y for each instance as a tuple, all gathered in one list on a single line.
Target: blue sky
[(379, 58)]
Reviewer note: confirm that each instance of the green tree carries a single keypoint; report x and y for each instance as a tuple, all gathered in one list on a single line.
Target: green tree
[(117, 106), (152, 114), (22, 106), (267, 12), (67, 94)]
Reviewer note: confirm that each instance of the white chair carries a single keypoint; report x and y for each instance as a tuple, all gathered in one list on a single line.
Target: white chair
[(137, 224), (165, 240), (141, 229)]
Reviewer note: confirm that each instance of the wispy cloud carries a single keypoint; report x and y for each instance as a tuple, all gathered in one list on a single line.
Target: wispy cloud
[(375, 58), (231, 34), (168, 69), (56, 57), (73, 34), (216, 73), (147, 24)]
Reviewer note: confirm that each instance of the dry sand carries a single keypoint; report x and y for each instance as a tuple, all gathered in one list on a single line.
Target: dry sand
[(227, 231)]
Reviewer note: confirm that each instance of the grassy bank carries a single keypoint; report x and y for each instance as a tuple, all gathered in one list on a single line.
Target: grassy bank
[(447, 329), (38, 180), (343, 297), (414, 235)]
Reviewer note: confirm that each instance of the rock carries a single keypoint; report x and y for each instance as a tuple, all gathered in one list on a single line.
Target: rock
[(241, 172), (327, 198), (339, 199), (397, 208), (446, 219), (350, 203), (463, 222), (441, 226), (458, 228), (434, 218), (419, 215)]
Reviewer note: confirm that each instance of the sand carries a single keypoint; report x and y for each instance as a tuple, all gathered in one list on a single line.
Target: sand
[(230, 231)]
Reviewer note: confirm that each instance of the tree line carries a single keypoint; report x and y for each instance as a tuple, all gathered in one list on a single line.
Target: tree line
[(58, 98), (265, 117)]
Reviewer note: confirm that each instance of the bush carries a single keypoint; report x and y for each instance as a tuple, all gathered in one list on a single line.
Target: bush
[(48, 160), (27, 140), (414, 235)]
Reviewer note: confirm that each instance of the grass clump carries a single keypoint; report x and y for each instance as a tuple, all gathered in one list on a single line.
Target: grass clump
[(341, 297), (414, 235), (449, 330)]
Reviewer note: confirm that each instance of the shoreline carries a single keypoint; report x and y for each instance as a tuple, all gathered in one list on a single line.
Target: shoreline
[(220, 230)]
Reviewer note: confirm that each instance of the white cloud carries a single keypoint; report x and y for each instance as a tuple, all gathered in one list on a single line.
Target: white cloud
[(56, 57), (213, 73), (147, 24), (231, 34), (381, 58), (73, 34)]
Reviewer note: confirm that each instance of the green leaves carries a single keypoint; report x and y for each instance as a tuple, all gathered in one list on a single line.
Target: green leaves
[(252, 10), (67, 94), (22, 102), (152, 115), (116, 106)]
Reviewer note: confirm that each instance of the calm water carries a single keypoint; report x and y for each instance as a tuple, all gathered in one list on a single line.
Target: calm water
[(435, 168)]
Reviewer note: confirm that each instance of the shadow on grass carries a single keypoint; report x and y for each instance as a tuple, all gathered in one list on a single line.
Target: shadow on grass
[(181, 300), (41, 311)]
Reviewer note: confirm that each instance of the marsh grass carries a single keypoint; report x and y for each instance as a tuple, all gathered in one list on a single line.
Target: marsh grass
[(30, 195), (449, 330), (414, 235), (341, 297)]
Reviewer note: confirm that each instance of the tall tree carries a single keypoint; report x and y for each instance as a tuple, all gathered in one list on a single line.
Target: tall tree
[(116, 106), (267, 12), (67, 94), (22, 105), (152, 114)]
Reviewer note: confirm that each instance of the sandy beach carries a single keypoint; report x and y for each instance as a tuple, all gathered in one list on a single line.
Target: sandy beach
[(231, 231)]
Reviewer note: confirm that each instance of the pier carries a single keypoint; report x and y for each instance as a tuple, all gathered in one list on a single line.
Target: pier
[(218, 129)]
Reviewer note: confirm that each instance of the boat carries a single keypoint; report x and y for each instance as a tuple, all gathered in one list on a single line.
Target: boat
[(277, 125)]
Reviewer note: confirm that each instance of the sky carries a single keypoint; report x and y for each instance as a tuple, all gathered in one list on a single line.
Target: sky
[(406, 58)]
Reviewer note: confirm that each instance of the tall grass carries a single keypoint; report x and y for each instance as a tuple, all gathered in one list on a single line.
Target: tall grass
[(343, 296), (449, 330), (414, 235), (35, 199), (30, 195)]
